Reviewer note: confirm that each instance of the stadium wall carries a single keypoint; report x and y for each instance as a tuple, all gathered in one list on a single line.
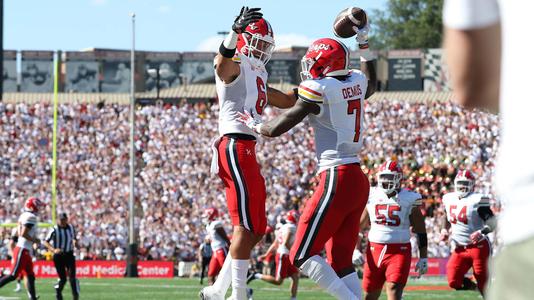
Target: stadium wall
[(108, 70)]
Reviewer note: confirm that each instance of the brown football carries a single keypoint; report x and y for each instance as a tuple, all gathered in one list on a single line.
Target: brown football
[(347, 19)]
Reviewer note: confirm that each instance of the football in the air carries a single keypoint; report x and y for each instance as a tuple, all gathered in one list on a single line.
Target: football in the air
[(348, 20)]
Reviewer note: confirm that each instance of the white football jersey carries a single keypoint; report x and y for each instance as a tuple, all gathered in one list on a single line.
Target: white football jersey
[(248, 92), (514, 178), (217, 242), (463, 215), (339, 127), (281, 233), (27, 218), (390, 216)]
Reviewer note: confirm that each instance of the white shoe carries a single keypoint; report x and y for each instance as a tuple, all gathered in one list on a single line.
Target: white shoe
[(208, 293), (17, 289)]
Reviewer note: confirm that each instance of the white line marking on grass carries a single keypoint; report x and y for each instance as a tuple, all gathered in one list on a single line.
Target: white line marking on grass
[(168, 286)]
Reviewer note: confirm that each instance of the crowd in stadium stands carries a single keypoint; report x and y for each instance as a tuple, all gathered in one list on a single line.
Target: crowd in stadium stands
[(174, 184)]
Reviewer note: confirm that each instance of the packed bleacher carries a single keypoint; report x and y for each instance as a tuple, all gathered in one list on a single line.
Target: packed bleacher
[(174, 185)]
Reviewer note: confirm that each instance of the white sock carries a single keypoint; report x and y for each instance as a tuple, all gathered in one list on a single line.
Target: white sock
[(293, 298), (352, 282), (322, 273), (224, 278), (239, 278), (258, 276)]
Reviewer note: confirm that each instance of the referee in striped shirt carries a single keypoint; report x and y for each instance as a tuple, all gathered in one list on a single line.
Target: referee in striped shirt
[(61, 240)]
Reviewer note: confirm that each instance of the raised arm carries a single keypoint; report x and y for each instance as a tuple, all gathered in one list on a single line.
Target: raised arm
[(367, 60), (225, 68)]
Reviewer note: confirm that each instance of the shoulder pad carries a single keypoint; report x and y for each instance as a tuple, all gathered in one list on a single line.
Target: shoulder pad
[(28, 218), (311, 91), (484, 200)]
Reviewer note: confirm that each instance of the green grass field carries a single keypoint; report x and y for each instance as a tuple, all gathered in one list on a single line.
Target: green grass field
[(160, 289)]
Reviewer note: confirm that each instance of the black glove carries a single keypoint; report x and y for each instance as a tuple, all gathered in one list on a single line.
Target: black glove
[(246, 16)]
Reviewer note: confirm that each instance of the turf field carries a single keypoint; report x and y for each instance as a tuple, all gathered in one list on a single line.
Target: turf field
[(118, 289)]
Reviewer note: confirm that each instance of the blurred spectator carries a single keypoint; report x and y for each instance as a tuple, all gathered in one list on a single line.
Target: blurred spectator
[(173, 183)]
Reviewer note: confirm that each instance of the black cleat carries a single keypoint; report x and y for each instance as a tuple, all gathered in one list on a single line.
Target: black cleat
[(251, 276)]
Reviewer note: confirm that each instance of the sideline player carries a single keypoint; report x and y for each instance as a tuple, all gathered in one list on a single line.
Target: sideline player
[(473, 42), (12, 245), (22, 260), (285, 237), (391, 211), (240, 78), (470, 217), (332, 99), (219, 243)]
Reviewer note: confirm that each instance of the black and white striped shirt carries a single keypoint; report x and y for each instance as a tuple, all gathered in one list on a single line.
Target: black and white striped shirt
[(62, 237)]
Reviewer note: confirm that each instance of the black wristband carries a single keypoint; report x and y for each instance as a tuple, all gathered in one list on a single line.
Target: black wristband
[(423, 240), (228, 53), (485, 230), (296, 92)]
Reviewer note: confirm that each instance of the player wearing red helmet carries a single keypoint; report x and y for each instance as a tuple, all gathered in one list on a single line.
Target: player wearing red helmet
[(219, 243), (285, 236), (21, 262), (241, 82), (470, 218), (391, 210), (332, 99)]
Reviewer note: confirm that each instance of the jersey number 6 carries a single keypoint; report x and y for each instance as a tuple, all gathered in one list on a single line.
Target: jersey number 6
[(262, 96)]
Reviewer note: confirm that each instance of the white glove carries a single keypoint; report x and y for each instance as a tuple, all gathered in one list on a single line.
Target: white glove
[(362, 36), (357, 257), (249, 121), (421, 266)]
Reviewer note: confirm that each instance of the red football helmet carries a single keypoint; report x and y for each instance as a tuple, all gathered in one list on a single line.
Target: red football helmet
[(257, 41), (292, 216), (33, 204), (325, 57), (389, 176), (211, 213), (464, 182)]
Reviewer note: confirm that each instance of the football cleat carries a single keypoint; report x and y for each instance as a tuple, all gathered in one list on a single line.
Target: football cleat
[(207, 293)]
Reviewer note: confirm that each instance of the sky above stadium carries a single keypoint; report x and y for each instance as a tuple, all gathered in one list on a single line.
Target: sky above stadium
[(161, 25)]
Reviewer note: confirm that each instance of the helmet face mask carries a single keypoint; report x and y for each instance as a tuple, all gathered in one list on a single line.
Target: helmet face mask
[(257, 42), (258, 47), (389, 182), (389, 177), (464, 183), (463, 187)]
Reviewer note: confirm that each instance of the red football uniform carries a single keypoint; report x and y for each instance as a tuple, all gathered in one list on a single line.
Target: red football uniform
[(389, 251), (462, 213)]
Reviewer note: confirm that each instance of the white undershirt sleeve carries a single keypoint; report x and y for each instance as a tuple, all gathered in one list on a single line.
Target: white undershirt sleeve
[(470, 14)]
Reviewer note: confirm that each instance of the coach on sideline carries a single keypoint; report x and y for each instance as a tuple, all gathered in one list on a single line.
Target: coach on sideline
[(61, 241)]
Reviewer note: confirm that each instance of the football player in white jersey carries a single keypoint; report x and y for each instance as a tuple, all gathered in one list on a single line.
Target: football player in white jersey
[(475, 33), (285, 237), (332, 99), (12, 244), (219, 243), (22, 260), (470, 218), (391, 210), (241, 82)]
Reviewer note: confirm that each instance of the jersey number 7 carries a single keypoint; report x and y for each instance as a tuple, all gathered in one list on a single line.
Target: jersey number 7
[(354, 107)]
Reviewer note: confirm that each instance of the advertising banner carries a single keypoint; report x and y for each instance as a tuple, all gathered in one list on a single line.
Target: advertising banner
[(102, 269)]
